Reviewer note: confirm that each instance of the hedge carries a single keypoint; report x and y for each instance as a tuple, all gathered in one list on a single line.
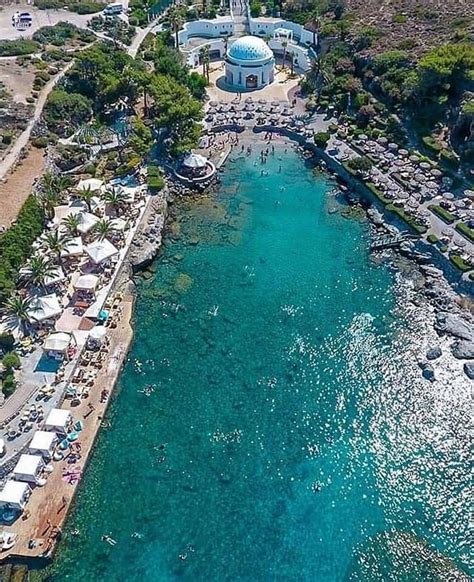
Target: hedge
[(419, 228), (442, 213), (9, 385), (15, 244), (460, 263), (432, 238), (465, 231), (12, 48)]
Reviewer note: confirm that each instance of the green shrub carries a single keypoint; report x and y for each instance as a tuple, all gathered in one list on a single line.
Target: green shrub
[(465, 231), (30, 100), (9, 385), (6, 342), (432, 144), (15, 243), (88, 7), (442, 213), (460, 263), (11, 48), (60, 33), (432, 238), (321, 139), (11, 361), (40, 142)]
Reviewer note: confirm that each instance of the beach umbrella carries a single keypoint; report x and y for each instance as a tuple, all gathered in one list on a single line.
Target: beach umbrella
[(399, 162), (249, 100), (393, 147), (213, 103), (432, 185), (403, 152), (448, 195), (436, 173), (275, 103), (447, 232), (262, 101), (382, 140), (469, 194), (425, 166), (414, 158)]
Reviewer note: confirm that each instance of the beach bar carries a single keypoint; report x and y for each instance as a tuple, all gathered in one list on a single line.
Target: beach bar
[(58, 421), (28, 468), (15, 495), (43, 444)]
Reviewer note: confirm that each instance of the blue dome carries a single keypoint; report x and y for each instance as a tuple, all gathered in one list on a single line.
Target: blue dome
[(249, 48)]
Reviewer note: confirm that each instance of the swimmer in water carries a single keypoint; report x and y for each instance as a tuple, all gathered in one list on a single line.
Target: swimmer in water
[(108, 539)]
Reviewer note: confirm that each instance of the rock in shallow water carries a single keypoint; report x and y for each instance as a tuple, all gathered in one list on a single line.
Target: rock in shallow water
[(434, 353), (469, 370), (463, 350)]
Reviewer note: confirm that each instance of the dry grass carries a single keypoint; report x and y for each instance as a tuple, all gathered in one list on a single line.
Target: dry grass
[(425, 24)]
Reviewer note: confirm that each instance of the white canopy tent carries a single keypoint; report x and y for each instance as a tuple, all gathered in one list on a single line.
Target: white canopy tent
[(96, 336), (58, 420), (100, 251), (87, 221), (118, 224), (15, 495), (73, 248), (28, 468), (43, 443), (195, 161), (43, 308), (56, 277), (58, 342), (91, 183), (87, 282)]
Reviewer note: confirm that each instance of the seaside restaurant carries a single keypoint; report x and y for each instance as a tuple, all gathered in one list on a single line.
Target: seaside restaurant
[(43, 444), (28, 468), (60, 345), (14, 495), (58, 421)]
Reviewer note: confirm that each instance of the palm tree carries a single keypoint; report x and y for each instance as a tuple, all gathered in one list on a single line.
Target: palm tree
[(176, 22), (72, 222), (319, 74), (205, 55), (57, 243), (86, 195), (38, 270), (284, 44), (103, 229), (292, 63), (16, 313), (115, 197), (314, 24), (48, 199)]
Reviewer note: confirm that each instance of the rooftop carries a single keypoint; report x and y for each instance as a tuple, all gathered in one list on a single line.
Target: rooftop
[(249, 48)]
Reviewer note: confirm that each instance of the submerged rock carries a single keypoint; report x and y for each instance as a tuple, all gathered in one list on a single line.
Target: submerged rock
[(434, 353), (469, 370), (463, 350)]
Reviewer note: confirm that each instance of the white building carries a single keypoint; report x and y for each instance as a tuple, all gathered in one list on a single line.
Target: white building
[(249, 64), (15, 495), (58, 421), (43, 444), (28, 468)]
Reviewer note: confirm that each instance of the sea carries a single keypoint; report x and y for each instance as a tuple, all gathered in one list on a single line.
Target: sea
[(271, 422)]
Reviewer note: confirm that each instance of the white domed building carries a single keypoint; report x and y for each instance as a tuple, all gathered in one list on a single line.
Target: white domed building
[(249, 64)]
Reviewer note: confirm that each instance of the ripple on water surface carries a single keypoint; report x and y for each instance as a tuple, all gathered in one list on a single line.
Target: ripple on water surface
[(271, 422)]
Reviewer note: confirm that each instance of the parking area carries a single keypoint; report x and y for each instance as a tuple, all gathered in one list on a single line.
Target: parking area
[(40, 18)]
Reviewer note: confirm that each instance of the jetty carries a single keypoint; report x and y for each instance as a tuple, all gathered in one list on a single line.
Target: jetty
[(390, 241)]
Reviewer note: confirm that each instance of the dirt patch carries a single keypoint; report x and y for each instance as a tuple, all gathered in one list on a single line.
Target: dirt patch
[(17, 79), (17, 187)]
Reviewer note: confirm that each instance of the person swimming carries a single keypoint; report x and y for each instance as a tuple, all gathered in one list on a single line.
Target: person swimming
[(109, 540)]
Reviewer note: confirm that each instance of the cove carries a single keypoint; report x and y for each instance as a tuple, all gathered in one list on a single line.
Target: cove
[(260, 429)]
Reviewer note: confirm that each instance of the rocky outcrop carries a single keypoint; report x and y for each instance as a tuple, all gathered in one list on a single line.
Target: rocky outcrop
[(455, 325), (469, 370), (147, 241)]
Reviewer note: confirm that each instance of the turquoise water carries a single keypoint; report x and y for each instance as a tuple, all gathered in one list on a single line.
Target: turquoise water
[(270, 423)]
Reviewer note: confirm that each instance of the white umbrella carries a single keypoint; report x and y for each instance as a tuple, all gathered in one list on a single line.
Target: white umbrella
[(86, 282), (42, 308), (100, 251), (91, 183), (73, 248), (195, 161)]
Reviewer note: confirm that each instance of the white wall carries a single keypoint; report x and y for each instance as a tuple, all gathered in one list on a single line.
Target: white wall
[(302, 60), (264, 26), (216, 28), (192, 55)]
